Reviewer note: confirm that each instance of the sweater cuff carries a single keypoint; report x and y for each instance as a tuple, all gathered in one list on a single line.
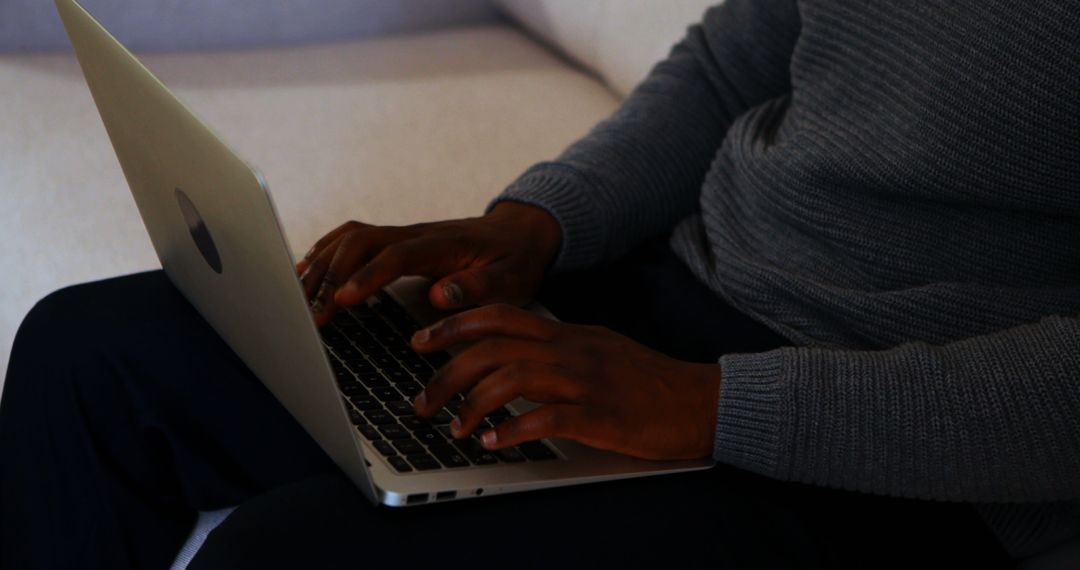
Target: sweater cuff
[(750, 411), (563, 193)]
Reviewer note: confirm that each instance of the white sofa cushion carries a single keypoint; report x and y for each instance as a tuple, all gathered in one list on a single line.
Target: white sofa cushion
[(620, 40), (202, 24), (389, 130)]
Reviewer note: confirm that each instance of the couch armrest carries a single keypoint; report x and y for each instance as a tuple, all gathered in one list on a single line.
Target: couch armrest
[(204, 24)]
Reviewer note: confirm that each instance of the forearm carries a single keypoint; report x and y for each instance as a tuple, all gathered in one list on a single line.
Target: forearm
[(989, 419), (640, 171)]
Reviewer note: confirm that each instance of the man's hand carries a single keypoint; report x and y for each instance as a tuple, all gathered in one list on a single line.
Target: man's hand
[(595, 386), (498, 257)]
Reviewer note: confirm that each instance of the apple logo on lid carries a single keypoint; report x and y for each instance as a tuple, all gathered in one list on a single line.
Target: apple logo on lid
[(199, 231)]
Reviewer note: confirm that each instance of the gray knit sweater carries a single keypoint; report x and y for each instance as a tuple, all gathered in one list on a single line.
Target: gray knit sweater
[(895, 188)]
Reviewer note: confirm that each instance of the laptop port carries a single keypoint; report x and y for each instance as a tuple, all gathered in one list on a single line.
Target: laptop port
[(445, 495), (416, 499)]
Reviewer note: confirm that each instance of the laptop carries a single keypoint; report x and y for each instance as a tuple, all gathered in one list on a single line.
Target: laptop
[(350, 384)]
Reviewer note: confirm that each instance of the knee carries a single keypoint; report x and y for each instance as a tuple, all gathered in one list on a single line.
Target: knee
[(55, 327), (53, 313)]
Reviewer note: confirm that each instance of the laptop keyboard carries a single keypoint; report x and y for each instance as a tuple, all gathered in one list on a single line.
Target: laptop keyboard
[(379, 375)]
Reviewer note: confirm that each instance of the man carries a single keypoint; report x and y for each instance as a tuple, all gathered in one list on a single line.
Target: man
[(872, 283)]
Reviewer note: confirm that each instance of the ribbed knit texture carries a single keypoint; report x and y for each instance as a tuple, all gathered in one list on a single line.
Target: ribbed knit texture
[(895, 188)]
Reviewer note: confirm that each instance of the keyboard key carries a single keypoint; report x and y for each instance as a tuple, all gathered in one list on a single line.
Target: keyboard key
[(333, 337), (380, 417), (343, 321), (413, 423), (373, 380), (403, 352), (398, 463), (509, 455), (342, 375), (383, 361), (429, 437), (445, 432), (384, 447), (409, 447), (499, 413), (389, 338), (423, 462), (359, 365), (356, 418), (351, 389), (477, 454), (454, 407), (449, 456), (400, 407), (366, 402), (418, 368), (536, 451), (397, 374), (387, 394), (410, 388), (368, 431), (346, 351), (394, 432), (442, 417)]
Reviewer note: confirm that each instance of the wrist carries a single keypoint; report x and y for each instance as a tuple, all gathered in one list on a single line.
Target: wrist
[(708, 382), (535, 224)]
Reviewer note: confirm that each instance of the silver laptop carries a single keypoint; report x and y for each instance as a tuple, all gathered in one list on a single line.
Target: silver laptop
[(350, 385)]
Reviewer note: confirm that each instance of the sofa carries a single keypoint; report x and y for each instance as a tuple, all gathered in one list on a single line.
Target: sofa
[(386, 111)]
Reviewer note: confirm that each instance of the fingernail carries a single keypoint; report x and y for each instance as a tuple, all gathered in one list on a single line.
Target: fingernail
[(455, 426), (452, 293), (421, 401), (489, 438), (422, 336)]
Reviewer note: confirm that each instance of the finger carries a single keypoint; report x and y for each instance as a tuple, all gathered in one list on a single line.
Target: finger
[(533, 381), (490, 320), (473, 364), (550, 420), (421, 256), (472, 286), (353, 249), (312, 277), (324, 241)]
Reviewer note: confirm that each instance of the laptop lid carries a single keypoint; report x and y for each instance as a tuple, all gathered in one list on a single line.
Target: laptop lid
[(214, 228)]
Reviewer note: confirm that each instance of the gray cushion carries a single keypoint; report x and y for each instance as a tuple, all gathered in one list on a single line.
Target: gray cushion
[(201, 24), (618, 39)]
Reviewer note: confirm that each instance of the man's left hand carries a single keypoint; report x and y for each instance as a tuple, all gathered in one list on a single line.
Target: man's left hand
[(594, 386)]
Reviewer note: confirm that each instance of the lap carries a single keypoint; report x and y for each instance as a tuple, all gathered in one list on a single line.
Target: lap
[(720, 518)]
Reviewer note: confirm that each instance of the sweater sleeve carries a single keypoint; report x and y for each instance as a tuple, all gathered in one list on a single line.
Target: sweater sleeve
[(993, 418), (640, 171)]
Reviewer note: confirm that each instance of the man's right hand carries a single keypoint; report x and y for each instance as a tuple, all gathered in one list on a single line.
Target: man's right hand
[(500, 257)]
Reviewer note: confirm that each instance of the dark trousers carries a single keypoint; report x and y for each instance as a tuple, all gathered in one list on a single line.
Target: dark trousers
[(124, 414)]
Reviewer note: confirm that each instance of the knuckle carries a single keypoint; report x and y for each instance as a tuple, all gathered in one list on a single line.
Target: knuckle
[(513, 372), (513, 429), (554, 421), (500, 311), (395, 252), (491, 346)]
